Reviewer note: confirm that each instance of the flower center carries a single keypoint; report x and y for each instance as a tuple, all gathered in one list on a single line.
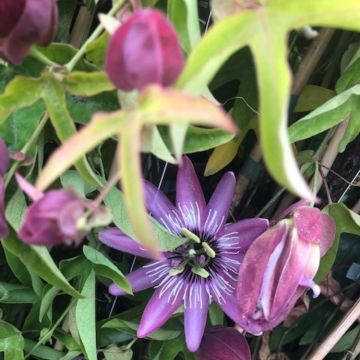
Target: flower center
[(195, 255)]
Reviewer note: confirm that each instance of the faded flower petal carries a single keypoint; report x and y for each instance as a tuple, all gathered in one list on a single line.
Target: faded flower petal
[(144, 50), (224, 343), (116, 239)]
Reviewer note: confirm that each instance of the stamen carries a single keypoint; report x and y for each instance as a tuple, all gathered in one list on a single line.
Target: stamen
[(208, 250), (200, 271), (187, 233)]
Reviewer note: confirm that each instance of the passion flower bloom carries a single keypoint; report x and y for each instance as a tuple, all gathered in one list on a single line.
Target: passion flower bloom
[(144, 50), (204, 268), (24, 23), (4, 163), (280, 266), (223, 343), (57, 217)]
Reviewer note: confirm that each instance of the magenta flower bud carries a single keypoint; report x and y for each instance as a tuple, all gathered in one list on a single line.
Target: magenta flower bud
[(280, 265), (24, 23), (144, 50), (223, 343), (4, 163)]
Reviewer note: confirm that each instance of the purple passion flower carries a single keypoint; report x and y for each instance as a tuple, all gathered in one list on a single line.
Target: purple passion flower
[(204, 268), (4, 163), (280, 265), (24, 23), (223, 343), (54, 218), (144, 50)]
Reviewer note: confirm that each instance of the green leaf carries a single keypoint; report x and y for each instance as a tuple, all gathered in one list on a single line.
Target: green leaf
[(326, 116), (15, 209), (38, 260), (104, 267), (30, 89), (99, 129), (20, 125), (265, 30), (72, 179), (54, 98), (95, 51), (116, 353), (47, 300), (42, 351), (311, 97), (87, 83), (115, 202), (16, 294), (85, 317), (346, 222), (11, 342), (184, 15), (347, 340), (131, 178)]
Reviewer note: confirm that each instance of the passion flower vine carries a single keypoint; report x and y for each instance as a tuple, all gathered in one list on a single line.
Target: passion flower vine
[(201, 270)]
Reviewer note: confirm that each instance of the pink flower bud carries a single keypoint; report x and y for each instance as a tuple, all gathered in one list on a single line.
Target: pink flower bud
[(144, 50), (280, 265), (24, 23), (58, 216), (223, 343)]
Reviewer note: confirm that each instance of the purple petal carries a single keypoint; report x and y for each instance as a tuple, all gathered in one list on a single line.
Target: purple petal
[(4, 158), (189, 196), (116, 239), (251, 272), (10, 12), (224, 343), (195, 315), (315, 227), (219, 204), (161, 306), (28, 189), (139, 280), (246, 230), (161, 208)]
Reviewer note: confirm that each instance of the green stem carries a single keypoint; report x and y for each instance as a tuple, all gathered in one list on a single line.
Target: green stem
[(72, 63), (38, 55), (33, 139), (51, 331)]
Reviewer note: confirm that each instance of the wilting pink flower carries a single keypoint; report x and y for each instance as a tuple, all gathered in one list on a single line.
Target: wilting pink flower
[(4, 163), (24, 23), (55, 217), (201, 270), (280, 265), (144, 50), (223, 343)]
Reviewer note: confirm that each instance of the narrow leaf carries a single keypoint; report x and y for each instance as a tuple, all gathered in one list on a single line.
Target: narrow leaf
[(99, 129), (104, 267), (85, 317), (54, 98)]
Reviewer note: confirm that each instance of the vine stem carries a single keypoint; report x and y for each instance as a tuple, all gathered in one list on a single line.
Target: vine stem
[(31, 142), (38, 55), (72, 63), (336, 334)]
